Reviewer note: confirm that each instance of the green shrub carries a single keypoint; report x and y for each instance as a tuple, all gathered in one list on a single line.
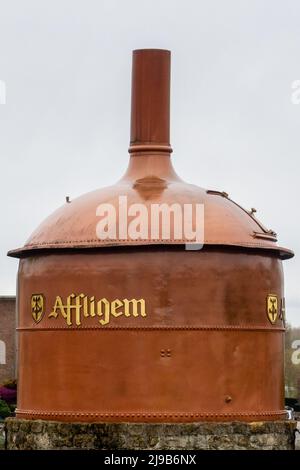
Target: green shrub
[(4, 409)]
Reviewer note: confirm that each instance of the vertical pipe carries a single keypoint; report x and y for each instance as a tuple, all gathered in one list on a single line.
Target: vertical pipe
[(150, 101)]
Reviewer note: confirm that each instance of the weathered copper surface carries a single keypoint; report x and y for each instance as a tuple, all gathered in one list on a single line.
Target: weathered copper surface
[(150, 101), (150, 179), (206, 348)]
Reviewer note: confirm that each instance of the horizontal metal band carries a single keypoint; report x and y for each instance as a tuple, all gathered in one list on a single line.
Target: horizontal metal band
[(150, 148), (152, 415), (93, 243), (147, 241), (159, 327)]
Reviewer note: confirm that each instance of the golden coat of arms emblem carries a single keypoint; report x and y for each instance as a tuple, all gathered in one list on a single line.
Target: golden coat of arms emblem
[(272, 308), (37, 307)]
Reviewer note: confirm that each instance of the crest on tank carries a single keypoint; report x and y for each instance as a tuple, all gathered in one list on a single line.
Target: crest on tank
[(272, 308), (37, 307)]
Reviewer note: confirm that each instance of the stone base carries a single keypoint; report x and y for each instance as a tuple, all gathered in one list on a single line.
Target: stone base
[(268, 435)]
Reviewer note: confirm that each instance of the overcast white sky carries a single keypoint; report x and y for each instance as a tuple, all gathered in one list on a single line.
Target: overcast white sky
[(64, 129)]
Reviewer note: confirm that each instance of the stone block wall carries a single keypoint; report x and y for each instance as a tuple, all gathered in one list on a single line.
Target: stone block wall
[(26, 434)]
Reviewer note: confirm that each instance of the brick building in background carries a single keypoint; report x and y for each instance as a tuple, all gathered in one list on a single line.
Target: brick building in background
[(7, 338)]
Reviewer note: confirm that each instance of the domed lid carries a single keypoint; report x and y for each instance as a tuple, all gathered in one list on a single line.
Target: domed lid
[(150, 182)]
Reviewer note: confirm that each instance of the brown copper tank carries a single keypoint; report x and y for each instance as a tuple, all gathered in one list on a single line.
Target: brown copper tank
[(145, 330)]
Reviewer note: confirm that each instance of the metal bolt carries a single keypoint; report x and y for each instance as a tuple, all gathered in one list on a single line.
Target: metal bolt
[(228, 399), (165, 352)]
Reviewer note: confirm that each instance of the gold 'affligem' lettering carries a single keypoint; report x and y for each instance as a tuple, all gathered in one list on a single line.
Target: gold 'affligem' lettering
[(78, 307)]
